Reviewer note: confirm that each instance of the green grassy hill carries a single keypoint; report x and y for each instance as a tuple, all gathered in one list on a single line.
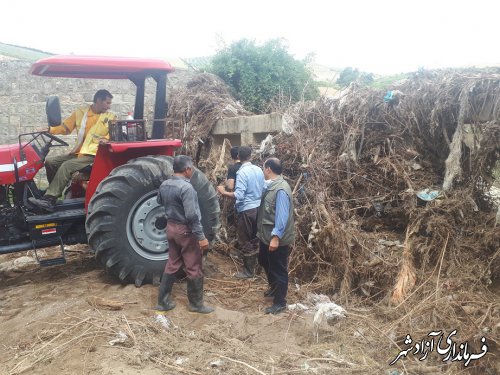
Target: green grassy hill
[(22, 53)]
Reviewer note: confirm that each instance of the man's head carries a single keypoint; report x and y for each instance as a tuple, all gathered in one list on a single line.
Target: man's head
[(272, 168), (183, 165), (102, 101), (244, 153), (234, 152)]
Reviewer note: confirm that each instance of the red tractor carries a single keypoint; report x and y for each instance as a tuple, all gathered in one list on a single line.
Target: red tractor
[(117, 215)]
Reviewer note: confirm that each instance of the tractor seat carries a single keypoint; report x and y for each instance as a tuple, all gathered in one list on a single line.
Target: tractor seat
[(86, 169), (78, 184), (82, 174)]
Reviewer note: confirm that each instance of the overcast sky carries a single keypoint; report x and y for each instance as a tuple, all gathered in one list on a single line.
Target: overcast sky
[(385, 37)]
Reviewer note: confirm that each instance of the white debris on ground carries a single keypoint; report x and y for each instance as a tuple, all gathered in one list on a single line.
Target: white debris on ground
[(216, 363), (164, 321), (322, 307), (330, 312), (298, 307), (181, 360), (18, 263), (120, 338)]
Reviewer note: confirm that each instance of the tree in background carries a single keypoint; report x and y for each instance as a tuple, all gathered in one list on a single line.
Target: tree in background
[(259, 75), (349, 75)]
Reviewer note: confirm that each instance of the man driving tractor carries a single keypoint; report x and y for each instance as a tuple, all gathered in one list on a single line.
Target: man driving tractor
[(91, 124)]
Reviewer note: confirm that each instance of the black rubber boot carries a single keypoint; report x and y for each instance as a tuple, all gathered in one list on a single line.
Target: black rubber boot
[(279, 302), (235, 253), (249, 263), (195, 296), (270, 291), (165, 301), (275, 309)]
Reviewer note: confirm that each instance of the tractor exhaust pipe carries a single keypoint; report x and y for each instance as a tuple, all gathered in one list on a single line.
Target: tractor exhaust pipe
[(24, 246)]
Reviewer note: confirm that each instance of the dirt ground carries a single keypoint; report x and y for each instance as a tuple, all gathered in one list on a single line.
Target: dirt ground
[(74, 319)]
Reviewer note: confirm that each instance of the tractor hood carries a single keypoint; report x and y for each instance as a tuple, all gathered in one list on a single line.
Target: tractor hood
[(12, 163)]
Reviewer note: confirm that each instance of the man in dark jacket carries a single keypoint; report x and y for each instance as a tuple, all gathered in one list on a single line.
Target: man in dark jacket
[(186, 240), (230, 184), (233, 169), (276, 232)]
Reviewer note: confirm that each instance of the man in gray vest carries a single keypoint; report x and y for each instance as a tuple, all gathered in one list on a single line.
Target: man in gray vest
[(276, 232)]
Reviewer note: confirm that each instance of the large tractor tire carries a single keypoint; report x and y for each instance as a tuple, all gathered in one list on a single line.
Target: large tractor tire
[(125, 225)]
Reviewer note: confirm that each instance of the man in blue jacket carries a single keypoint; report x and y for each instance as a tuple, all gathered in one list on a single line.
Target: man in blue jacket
[(247, 192)]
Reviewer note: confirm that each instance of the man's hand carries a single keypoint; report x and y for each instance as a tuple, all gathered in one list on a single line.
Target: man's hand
[(275, 242), (101, 140), (203, 244), (222, 191)]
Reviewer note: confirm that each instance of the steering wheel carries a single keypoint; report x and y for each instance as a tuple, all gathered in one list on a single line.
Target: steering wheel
[(41, 141), (54, 138)]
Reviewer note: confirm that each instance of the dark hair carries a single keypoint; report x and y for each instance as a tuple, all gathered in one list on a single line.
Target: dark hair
[(102, 95), (234, 152), (181, 162), (274, 164), (244, 153)]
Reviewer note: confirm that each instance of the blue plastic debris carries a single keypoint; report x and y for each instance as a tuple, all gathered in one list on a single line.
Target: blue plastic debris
[(388, 98), (428, 195)]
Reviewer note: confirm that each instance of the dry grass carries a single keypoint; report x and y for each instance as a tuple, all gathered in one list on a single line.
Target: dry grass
[(355, 165)]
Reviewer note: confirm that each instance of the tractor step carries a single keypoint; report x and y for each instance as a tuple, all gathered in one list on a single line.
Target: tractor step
[(52, 262), (49, 261), (56, 216)]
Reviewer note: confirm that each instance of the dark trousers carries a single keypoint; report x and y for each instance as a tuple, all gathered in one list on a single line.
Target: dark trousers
[(183, 250), (60, 168), (247, 232), (275, 264)]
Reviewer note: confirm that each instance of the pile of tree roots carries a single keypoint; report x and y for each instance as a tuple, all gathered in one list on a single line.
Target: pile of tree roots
[(392, 194), (194, 110), (387, 189)]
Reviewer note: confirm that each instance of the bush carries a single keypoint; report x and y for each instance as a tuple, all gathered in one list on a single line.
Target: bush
[(349, 75), (259, 75)]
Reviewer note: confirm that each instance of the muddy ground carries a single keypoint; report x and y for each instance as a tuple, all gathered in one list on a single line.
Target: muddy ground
[(75, 319)]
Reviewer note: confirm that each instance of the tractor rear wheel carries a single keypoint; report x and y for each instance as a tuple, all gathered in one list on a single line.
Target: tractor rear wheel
[(125, 225)]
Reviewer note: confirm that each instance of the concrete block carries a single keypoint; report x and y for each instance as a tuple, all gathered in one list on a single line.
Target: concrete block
[(270, 123), (251, 129)]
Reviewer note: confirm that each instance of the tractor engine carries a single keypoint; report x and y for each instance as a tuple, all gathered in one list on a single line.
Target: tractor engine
[(12, 225)]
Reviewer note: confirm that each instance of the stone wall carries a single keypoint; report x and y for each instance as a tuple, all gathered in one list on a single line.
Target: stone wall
[(23, 96)]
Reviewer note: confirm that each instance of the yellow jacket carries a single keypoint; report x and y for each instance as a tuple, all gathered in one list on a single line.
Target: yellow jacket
[(94, 129)]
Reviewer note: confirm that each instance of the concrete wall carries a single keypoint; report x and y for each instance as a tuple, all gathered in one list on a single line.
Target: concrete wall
[(23, 96), (246, 130)]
